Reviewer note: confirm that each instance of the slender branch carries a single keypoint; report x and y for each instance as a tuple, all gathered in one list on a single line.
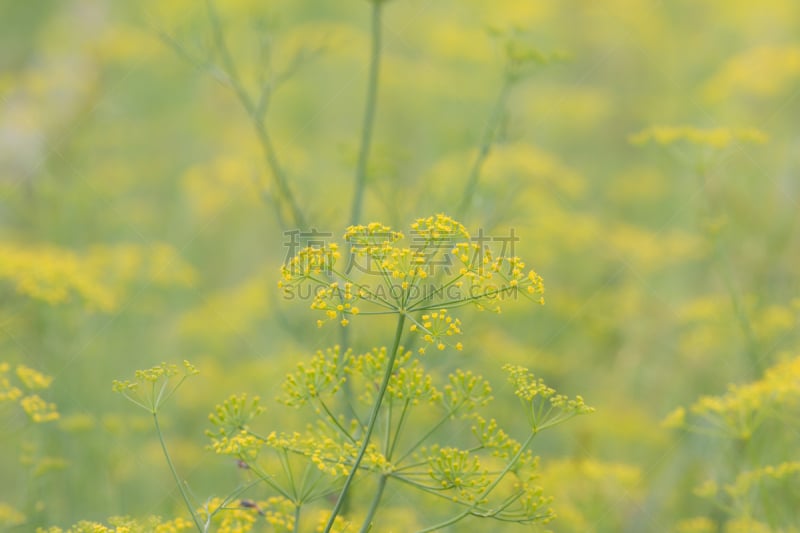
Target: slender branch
[(334, 422), (398, 429), (175, 474), (373, 507), (256, 115), (427, 434), (487, 140), (511, 463), (296, 527), (371, 423), (369, 112)]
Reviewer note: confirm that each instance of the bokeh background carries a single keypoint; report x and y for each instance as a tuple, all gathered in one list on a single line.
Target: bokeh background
[(647, 156)]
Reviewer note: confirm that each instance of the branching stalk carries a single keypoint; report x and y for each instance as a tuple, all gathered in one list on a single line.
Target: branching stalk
[(373, 507), (175, 475), (371, 423), (256, 113), (469, 510)]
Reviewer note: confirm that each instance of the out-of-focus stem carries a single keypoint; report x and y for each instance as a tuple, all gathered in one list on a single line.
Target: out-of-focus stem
[(487, 140), (369, 113), (256, 116)]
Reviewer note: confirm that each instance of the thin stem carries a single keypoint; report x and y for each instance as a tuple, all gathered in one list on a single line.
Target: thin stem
[(366, 142), (175, 474), (256, 115), (387, 435), (398, 429), (431, 431), (373, 418), (466, 512), (335, 422), (487, 140), (284, 459), (296, 527), (373, 507), (369, 112)]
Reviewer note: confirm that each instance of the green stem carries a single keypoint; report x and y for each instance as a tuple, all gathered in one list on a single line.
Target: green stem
[(373, 418), (431, 431), (466, 512), (256, 115), (397, 430), (363, 155), (373, 507), (369, 112), (296, 528), (175, 474), (487, 140), (277, 171), (335, 422)]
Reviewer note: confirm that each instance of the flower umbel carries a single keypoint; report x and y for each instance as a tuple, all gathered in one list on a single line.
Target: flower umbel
[(442, 268), (153, 386)]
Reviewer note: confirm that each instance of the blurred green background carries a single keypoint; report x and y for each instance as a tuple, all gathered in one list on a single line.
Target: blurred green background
[(138, 224)]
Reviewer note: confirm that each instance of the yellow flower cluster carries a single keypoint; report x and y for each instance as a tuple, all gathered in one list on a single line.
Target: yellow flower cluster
[(143, 390), (483, 478), (325, 374), (437, 228), (459, 471), (492, 437), (413, 385), (436, 326), (371, 238), (442, 268), (231, 420), (310, 263), (123, 524), (97, 278), (241, 516), (33, 379), (332, 455), (466, 391), (740, 411), (37, 409), (544, 407), (242, 445), (370, 366), (711, 137)]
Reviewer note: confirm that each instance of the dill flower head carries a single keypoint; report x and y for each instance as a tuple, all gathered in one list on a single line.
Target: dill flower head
[(545, 408), (437, 268), (151, 387)]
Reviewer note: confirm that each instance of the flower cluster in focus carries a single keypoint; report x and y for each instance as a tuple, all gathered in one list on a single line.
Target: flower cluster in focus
[(441, 268)]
